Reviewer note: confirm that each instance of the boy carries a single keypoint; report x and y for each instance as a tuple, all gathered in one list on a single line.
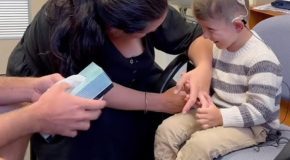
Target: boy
[(246, 81)]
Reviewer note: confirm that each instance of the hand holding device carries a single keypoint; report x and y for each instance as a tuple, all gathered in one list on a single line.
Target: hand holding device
[(92, 82)]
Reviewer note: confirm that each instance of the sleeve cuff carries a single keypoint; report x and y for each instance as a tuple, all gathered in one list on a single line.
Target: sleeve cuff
[(232, 117)]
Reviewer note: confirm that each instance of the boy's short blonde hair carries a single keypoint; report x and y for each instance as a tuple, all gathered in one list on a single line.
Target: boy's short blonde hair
[(220, 9)]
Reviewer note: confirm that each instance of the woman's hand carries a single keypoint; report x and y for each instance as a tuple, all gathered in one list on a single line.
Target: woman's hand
[(173, 102)]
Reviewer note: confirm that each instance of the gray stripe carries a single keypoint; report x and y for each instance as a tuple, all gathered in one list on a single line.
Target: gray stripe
[(230, 88), (230, 68), (267, 125), (265, 66), (278, 100), (217, 97), (274, 116), (247, 118), (260, 67), (267, 90), (266, 112)]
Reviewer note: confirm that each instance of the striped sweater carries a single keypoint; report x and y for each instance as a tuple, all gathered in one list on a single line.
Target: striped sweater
[(247, 85)]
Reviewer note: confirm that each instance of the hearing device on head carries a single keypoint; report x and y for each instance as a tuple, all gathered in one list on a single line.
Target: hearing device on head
[(241, 17), (242, 2)]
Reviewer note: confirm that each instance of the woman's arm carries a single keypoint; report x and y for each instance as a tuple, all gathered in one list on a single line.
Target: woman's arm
[(124, 98)]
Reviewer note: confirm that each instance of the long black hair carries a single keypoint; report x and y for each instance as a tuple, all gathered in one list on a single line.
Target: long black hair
[(79, 26)]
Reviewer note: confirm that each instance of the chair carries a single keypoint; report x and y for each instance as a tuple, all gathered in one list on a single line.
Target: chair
[(164, 81), (275, 32), (183, 6)]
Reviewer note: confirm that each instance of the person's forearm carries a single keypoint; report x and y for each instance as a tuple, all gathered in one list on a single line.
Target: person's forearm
[(16, 124), (15, 90), (124, 98), (200, 52)]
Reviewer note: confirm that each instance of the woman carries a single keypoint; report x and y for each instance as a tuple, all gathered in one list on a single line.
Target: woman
[(120, 36)]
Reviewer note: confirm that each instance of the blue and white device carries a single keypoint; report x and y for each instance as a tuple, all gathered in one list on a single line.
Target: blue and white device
[(95, 85), (92, 83)]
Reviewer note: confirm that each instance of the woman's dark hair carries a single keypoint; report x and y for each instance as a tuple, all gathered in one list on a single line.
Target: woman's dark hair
[(78, 26)]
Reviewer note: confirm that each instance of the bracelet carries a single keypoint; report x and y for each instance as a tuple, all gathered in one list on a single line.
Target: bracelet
[(146, 103)]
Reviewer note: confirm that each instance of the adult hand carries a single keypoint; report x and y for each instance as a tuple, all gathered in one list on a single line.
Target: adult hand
[(193, 83), (208, 115), (58, 112), (41, 84), (174, 102)]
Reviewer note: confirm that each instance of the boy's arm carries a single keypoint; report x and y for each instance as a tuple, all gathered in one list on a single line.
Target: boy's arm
[(262, 103), (198, 79)]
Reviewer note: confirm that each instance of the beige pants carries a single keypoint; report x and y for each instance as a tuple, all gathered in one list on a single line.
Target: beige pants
[(180, 138)]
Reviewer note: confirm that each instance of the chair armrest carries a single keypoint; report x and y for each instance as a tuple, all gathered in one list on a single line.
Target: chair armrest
[(170, 71)]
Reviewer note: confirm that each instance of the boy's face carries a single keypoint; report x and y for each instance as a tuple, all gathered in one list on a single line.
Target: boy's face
[(221, 33)]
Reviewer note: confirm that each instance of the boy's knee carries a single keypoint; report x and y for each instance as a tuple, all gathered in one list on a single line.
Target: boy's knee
[(193, 149), (166, 126), (198, 147), (162, 131)]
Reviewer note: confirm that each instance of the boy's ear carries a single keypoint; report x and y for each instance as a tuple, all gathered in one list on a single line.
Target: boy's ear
[(239, 25)]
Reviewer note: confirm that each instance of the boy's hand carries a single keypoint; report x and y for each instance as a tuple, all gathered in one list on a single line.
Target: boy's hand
[(208, 116)]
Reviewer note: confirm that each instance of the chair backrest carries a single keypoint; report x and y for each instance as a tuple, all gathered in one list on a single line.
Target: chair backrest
[(275, 32)]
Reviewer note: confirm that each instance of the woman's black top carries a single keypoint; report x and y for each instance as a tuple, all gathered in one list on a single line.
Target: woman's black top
[(117, 134)]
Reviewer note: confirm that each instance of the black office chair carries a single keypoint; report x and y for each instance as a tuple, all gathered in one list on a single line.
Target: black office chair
[(170, 71)]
